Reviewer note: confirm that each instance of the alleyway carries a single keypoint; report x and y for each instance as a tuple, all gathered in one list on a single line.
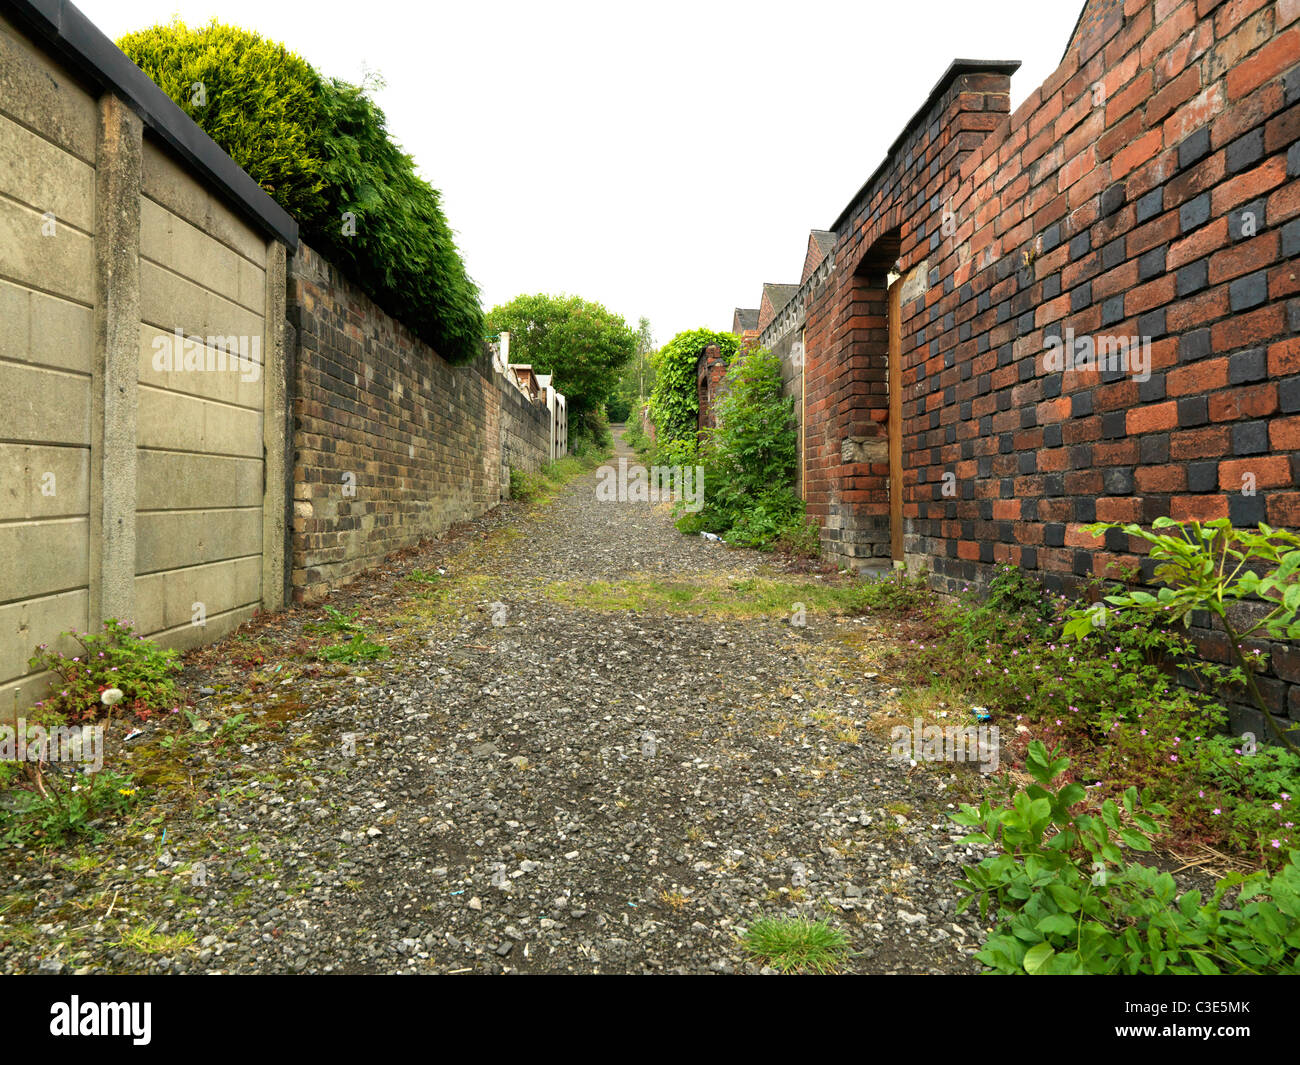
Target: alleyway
[(579, 757)]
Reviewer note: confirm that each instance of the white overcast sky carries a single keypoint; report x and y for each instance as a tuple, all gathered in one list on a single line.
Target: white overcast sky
[(664, 159)]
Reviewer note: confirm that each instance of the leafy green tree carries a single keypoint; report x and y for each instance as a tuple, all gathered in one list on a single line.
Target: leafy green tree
[(641, 365), (637, 377), (675, 401), (320, 148), (580, 342)]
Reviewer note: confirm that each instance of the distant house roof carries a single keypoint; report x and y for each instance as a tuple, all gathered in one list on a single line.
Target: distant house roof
[(775, 297), (744, 320), (821, 242)]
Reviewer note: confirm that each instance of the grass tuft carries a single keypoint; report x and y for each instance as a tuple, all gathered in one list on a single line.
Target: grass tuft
[(797, 945)]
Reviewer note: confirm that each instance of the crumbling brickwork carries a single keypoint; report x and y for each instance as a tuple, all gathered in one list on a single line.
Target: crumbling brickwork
[(710, 369)]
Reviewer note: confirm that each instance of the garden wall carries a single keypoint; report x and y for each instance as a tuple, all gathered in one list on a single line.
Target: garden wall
[(392, 444)]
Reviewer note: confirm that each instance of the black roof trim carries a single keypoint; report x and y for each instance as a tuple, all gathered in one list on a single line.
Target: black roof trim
[(67, 33), (955, 69)]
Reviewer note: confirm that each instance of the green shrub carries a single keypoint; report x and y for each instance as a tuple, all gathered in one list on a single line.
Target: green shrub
[(1067, 901), (320, 147), (114, 658), (896, 591), (523, 485), (801, 541), (1115, 697), (749, 459), (618, 408), (636, 436)]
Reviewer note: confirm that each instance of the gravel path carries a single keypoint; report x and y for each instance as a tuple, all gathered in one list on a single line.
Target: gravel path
[(548, 774)]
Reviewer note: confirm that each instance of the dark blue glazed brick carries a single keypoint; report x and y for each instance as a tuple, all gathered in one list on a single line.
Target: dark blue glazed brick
[(1194, 148), (1151, 205), (1192, 278), (1250, 438), (1152, 263), (1249, 291), (1194, 212), (1247, 366), (1245, 151), (1203, 476)]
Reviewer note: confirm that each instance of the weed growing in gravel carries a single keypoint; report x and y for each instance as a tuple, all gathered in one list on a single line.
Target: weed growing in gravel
[(115, 658), (336, 623), (424, 576), (797, 945), (1112, 698), (358, 648), (62, 815), (145, 940)]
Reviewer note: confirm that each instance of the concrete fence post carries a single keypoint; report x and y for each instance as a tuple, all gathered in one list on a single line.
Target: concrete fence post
[(277, 430), (119, 148)]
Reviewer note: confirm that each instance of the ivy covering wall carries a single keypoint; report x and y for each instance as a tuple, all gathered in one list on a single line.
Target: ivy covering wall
[(675, 401)]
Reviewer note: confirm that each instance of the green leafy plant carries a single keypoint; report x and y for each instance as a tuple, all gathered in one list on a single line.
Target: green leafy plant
[(1209, 567), (896, 591), (1265, 774), (360, 648), (618, 407), (801, 540), (1131, 701), (321, 148), (636, 436), (337, 622), (1066, 900), (114, 658)]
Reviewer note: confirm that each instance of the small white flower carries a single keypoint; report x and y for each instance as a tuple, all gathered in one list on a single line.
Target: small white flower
[(109, 696)]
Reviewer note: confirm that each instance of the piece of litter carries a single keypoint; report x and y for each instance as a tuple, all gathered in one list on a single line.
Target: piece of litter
[(132, 735)]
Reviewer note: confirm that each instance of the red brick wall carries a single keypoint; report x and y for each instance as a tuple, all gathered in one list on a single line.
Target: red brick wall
[(1112, 203)]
